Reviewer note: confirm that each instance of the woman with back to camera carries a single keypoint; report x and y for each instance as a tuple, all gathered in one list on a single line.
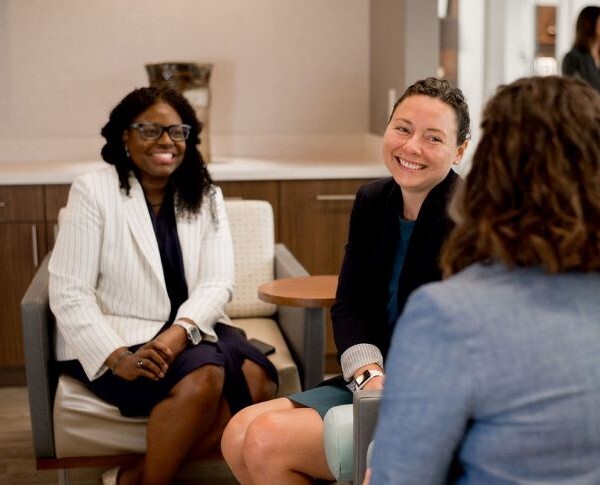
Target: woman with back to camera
[(497, 368), (396, 230), (139, 278), (583, 60)]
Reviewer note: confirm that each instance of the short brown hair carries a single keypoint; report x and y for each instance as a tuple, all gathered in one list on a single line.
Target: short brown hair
[(532, 197), (446, 92)]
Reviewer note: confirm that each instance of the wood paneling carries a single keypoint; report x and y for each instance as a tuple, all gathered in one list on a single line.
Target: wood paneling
[(19, 257), (21, 203), (56, 199), (255, 190), (315, 216)]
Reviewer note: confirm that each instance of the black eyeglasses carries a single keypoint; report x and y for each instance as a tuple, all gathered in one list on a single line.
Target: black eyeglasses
[(153, 131)]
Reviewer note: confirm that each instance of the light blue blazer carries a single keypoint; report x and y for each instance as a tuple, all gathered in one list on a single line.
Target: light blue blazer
[(107, 287), (500, 369)]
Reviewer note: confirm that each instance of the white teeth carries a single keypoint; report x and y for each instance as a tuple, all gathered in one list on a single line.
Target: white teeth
[(164, 156), (410, 165)]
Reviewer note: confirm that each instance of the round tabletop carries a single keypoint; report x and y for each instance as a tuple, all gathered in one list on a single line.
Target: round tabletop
[(316, 291)]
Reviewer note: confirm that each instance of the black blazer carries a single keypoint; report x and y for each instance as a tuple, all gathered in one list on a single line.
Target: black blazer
[(359, 314), (580, 63)]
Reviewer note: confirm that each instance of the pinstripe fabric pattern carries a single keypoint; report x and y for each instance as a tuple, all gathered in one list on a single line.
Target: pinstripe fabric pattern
[(107, 287)]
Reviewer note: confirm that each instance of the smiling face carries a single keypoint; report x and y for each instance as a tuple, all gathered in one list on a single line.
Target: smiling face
[(155, 159), (419, 144)]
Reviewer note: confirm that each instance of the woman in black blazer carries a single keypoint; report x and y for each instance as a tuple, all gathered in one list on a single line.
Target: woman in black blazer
[(397, 228)]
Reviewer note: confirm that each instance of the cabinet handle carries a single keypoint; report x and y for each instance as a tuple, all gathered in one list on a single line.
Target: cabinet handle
[(34, 244), (2, 204), (336, 197)]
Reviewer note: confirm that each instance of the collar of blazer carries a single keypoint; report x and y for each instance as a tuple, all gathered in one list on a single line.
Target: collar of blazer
[(140, 224)]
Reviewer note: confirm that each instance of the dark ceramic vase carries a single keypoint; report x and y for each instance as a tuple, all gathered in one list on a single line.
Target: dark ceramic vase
[(192, 80)]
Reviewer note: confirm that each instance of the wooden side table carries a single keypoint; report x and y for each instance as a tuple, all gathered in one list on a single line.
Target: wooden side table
[(314, 294)]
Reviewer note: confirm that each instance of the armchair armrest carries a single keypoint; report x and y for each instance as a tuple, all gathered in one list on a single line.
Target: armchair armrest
[(303, 328), (366, 412), (37, 319)]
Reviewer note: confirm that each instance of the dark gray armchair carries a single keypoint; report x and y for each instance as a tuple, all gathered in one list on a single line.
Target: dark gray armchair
[(303, 332), (366, 412)]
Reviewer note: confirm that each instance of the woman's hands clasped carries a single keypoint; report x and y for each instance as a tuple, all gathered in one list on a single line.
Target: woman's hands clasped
[(151, 360)]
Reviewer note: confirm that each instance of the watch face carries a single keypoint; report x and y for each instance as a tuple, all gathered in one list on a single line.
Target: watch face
[(194, 335), (361, 378)]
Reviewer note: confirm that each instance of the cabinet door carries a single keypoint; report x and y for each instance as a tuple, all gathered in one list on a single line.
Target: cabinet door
[(21, 203), (56, 199), (22, 247), (314, 226), (255, 190), (314, 221)]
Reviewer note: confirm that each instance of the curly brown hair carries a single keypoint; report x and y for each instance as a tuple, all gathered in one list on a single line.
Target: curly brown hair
[(532, 197)]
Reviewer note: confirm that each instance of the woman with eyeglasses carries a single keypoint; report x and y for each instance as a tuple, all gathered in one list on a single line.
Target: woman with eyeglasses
[(139, 278)]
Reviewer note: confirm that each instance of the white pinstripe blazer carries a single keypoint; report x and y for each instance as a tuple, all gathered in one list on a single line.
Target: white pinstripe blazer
[(107, 287)]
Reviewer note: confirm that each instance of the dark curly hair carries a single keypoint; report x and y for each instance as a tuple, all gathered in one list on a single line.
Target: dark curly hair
[(532, 197), (451, 95), (191, 181)]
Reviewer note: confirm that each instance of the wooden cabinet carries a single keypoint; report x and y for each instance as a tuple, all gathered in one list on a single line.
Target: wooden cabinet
[(22, 247), (56, 199), (315, 215), (314, 226), (255, 190)]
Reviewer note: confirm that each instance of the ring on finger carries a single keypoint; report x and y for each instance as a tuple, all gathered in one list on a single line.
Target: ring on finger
[(140, 363)]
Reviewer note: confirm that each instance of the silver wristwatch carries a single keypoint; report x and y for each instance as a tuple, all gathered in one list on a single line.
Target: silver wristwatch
[(193, 332), (361, 380)]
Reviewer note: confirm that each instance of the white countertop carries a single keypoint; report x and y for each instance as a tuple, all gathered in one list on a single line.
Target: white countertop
[(221, 169), (239, 157)]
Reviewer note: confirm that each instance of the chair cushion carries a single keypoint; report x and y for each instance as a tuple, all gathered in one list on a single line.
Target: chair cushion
[(252, 231), (338, 439), (268, 331), (85, 425)]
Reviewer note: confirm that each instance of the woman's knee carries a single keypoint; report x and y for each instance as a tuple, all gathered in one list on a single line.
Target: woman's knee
[(263, 438), (205, 382)]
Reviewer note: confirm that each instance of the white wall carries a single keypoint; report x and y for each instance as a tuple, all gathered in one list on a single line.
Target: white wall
[(281, 66), (405, 47), (471, 53)]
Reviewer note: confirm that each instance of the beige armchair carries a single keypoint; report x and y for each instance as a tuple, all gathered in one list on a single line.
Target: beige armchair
[(73, 428)]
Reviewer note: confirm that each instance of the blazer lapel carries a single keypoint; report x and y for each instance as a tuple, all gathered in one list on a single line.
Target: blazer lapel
[(138, 220)]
